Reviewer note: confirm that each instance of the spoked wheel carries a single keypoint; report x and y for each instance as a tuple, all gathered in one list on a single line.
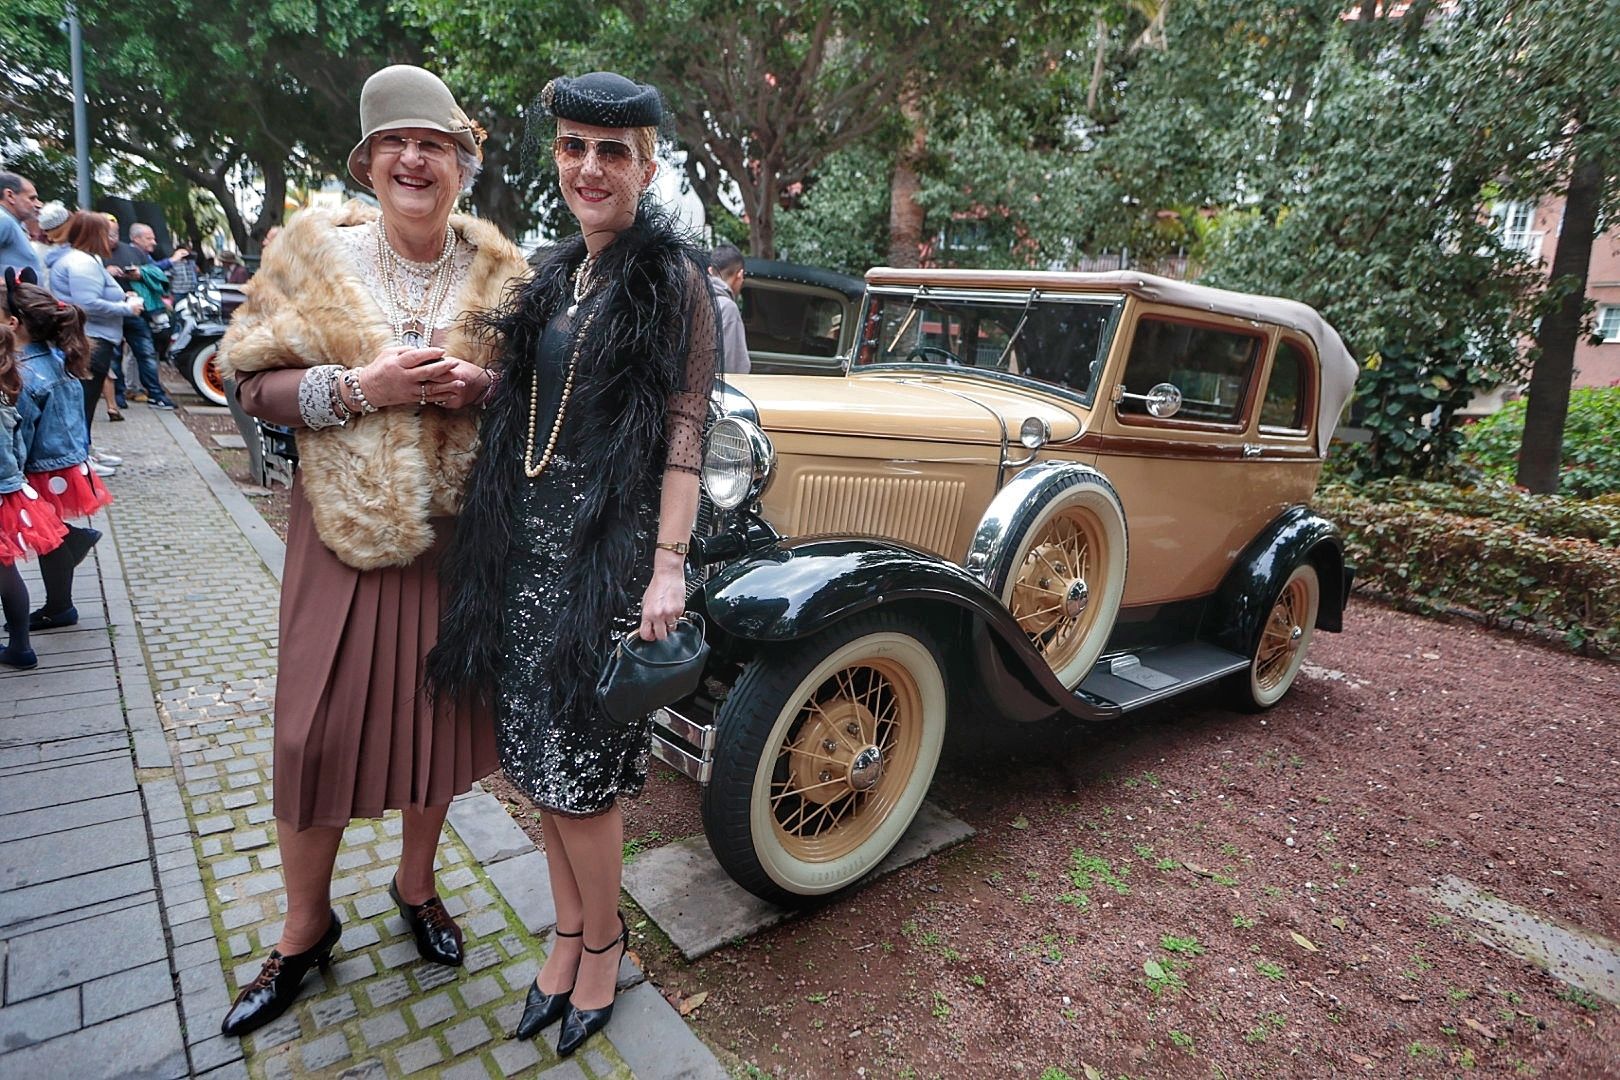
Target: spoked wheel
[(203, 372), (827, 748), (1280, 652), (1064, 579)]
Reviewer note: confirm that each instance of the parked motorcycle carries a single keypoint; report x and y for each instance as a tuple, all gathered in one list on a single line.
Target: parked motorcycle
[(199, 324)]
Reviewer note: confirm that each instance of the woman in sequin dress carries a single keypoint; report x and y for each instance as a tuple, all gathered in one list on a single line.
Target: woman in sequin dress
[(352, 334), (578, 514)]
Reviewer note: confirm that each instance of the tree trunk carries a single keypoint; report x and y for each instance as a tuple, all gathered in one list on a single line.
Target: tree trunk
[(498, 193), (1541, 452), (762, 229), (275, 200), (234, 221), (1097, 67), (906, 217)]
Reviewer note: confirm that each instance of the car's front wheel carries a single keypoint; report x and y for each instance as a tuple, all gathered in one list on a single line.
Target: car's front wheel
[(1284, 638), (826, 747)]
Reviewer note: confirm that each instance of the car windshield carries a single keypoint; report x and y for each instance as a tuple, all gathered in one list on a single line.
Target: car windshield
[(1062, 342)]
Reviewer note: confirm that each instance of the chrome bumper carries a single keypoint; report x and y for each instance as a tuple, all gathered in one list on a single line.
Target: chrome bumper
[(674, 740)]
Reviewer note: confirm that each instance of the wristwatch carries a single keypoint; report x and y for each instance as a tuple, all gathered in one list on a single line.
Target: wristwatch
[(679, 547)]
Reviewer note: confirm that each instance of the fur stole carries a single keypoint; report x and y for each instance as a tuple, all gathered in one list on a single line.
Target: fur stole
[(632, 359), (373, 484)]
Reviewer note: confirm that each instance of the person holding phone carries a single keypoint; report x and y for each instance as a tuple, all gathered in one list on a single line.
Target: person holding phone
[(355, 333)]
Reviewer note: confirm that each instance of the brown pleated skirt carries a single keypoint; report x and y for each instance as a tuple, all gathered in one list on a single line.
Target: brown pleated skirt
[(355, 732)]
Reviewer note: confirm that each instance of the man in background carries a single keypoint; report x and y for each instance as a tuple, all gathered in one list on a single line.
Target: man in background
[(725, 281), (19, 207), (126, 264)]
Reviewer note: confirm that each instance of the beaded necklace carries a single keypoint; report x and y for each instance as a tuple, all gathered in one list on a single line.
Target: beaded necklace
[(582, 288), (411, 325)]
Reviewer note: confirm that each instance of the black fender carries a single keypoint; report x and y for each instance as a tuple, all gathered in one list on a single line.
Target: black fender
[(793, 588), (1251, 586)]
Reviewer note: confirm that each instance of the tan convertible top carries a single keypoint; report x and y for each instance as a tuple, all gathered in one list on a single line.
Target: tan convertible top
[(1339, 369)]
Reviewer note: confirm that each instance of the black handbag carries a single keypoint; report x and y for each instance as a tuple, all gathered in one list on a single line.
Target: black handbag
[(641, 677)]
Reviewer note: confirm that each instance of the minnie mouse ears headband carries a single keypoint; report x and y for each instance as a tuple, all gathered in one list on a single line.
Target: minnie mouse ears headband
[(26, 276)]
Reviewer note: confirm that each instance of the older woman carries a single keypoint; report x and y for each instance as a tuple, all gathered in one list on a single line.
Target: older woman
[(353, 334), (579, 513), (79, 277)]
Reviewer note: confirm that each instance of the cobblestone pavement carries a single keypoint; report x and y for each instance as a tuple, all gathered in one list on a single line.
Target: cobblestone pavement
[(204, 602)]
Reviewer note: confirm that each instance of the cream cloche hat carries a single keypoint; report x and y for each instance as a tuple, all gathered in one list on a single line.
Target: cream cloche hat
[(406, 96)]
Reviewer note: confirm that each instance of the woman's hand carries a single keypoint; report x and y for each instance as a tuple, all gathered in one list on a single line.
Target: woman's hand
[(398, 375), (665, 600), (462, 385), (135, 304)]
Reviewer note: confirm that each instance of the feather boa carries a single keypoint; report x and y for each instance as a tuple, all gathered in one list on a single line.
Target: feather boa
[(632, 359)]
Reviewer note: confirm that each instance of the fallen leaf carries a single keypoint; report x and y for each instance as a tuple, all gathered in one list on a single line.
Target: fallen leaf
[(1153, 968), (690, 1005), (1338, 922), (1199, 870), (1302, 941), (1360, 1059), (1092, 1072), (1020, 822), (1408, 998), (1479, 1027)]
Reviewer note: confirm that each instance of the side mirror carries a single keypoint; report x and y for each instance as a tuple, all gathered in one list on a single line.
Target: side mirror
[(1163, 401)]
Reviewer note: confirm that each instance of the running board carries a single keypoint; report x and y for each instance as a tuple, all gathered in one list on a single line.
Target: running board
[(1136, 679)]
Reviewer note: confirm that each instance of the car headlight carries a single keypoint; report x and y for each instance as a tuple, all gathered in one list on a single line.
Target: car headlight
[(737, 461)]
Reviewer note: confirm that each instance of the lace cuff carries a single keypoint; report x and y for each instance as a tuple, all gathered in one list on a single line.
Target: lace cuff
[(319, 403)]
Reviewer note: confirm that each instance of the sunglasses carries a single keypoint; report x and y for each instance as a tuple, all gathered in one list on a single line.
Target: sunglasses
[(430, 149), (610, 153)]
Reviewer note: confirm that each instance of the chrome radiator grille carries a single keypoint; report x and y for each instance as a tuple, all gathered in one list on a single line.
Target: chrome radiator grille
[(917, 511)]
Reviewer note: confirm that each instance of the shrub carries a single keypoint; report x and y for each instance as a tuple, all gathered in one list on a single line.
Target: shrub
[(1552, 516), (1591, 464), (1505, 573)]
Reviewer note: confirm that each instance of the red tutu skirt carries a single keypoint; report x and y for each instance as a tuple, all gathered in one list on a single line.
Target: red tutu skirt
[(73, 492), (28, 525)]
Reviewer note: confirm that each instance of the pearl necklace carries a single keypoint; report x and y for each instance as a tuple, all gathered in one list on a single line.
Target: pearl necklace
[(532, 468), (583, 280), (412, 326)]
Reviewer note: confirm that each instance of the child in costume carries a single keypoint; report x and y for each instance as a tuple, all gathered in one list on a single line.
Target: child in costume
[(28, 524), (53, 438)]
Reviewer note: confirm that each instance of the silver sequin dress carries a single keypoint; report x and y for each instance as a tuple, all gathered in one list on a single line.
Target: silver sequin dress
[(576, 766)]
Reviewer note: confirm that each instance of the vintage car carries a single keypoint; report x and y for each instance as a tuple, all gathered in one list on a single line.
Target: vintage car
[(799, 320), (1028, 495)]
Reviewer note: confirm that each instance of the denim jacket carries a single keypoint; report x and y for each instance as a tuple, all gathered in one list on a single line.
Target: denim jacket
[(50, 412), (11, 475)]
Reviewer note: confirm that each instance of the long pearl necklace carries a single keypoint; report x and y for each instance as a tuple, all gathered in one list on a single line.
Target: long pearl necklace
[(412, 325), (582, 288)]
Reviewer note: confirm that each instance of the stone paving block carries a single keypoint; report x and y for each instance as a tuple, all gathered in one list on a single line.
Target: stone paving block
[(283, 1030), (469, 1033), (250, 839), (400, 952), (64, 901), (525, 884), (80, 951), (363, 936), (357, 835), (373, 1069), (148, 1045), (384, 1028), (97, 846), (567, 1070), (59, 819), (372, 904), (214, 1052), (473, 1069), (127, 991), (433, 1010), (387, 991), (235, 1070), (459, 878), (324, 1052), (432, 976), (480, 992), (416, 1056), (487, 923), (198, 952), (350, 860), (225, 868), (219, 824), (487, 830), (516, 1056), (333, 1010), (196, 930), (481, 957), (53, 787), (39, 1019)]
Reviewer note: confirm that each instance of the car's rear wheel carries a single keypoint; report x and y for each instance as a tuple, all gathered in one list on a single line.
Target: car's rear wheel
[(1066, 575), (826, 748), (1286, 635), (202, 370)]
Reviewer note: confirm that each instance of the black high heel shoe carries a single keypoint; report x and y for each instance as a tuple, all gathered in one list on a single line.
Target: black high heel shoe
[(540, 1009), (276, 986), (438, 938), (580, 1024)]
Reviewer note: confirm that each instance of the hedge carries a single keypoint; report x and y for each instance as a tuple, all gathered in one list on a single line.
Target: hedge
[(1591, 459), (1503, 572), (1552, 516)]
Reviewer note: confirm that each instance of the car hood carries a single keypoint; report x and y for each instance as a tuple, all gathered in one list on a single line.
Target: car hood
[(919, 407)]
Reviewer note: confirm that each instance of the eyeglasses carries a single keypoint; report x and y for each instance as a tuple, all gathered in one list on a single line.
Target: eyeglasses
[(572, 150), (430, 149)]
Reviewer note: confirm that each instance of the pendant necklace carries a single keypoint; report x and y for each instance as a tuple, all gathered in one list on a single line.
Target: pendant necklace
[(412, 324), (583, 281)]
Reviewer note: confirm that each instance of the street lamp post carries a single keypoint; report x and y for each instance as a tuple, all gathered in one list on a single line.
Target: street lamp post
[(81, 126)]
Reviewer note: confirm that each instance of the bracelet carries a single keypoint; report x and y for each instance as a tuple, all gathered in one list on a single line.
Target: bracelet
[(489, 391), (679, 547), (351, 379)]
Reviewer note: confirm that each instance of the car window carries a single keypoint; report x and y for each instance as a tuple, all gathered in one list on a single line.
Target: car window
[(1061, 342), (787, 321), (1287, 389), (1209, 365)]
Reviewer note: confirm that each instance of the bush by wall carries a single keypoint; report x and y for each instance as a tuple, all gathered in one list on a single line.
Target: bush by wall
[(1512, 573), (1552, 516), (1591, 450)]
